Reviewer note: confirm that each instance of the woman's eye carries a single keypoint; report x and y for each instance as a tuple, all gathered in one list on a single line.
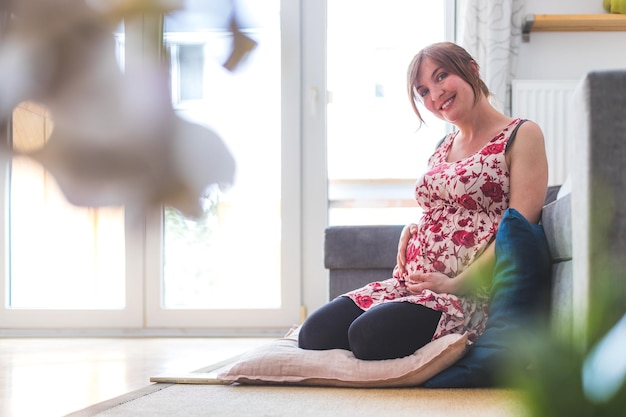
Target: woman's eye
[(441, 76), (423, 92)]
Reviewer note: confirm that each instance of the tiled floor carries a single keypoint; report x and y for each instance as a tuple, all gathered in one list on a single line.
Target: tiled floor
[(51, 377)]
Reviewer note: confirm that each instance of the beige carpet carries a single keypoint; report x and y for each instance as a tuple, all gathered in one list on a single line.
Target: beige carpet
[(200, 395), (191, 400)]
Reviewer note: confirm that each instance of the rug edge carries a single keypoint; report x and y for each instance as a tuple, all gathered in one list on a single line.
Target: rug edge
[(105, 405), (156, 386)]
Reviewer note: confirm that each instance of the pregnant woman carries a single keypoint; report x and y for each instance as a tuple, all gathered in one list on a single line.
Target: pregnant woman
[(490, 162)]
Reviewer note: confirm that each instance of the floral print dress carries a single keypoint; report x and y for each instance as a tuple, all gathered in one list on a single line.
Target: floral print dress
[(463, 202)]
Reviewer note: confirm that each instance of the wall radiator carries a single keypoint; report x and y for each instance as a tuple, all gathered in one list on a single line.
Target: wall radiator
[(548, 103)]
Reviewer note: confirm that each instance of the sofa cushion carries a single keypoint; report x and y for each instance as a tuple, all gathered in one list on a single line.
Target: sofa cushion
[(361, 247), (519, 292), (344, 280), (556, 219), (552, 194)]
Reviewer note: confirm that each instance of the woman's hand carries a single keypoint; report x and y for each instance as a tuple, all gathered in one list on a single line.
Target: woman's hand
[(434, 281), (408, 231), (476, 276)]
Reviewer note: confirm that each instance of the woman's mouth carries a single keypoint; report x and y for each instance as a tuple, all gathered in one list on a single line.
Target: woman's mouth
[(446, 104)]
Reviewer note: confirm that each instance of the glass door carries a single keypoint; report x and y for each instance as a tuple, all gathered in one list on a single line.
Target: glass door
[(234, 267), (64, 266), (239, 266)]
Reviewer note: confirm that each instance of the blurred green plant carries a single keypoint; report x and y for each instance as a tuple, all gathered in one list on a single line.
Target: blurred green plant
[(578, 367), (189, 256), (553, 385), (180, 227)]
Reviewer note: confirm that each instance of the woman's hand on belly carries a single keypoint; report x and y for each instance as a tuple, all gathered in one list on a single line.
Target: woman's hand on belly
[(434, 281), (408, 232)]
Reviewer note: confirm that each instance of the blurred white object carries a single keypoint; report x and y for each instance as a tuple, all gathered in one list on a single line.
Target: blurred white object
[(604, 370), (116, 138)]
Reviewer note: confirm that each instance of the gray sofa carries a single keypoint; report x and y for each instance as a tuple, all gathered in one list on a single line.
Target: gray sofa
[(585, 227), (356, 255)]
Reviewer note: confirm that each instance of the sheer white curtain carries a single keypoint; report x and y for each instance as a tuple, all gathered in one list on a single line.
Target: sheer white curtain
[(492, 33)]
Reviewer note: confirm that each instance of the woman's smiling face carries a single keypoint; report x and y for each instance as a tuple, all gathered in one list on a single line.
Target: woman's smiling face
[(443, 93)]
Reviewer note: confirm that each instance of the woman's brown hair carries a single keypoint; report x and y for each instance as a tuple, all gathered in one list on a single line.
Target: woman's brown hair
[(453, 59)]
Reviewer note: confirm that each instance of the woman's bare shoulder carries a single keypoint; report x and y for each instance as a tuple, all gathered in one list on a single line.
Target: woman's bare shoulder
[(532, 129), (529, 138)]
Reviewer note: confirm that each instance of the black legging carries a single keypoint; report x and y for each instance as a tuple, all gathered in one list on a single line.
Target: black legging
[(387, 331)]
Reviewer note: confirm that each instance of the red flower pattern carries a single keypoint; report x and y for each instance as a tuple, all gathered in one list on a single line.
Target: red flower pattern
[(463, 203), (493, 190), (468, 202), (436, 228), (492, 149), (439, 266), (365, 301), (463, 238)]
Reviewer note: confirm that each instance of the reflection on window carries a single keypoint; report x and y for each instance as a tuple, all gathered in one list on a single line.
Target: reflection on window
[(375, 150), (230, 258), (187, 72)]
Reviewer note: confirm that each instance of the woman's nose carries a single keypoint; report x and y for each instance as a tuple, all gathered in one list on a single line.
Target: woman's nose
[(435, 93)]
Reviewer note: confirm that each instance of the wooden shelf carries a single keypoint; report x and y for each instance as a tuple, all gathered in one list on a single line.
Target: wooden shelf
[(573, 23)]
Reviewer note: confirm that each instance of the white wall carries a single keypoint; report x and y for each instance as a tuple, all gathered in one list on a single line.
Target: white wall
[(569, 55)]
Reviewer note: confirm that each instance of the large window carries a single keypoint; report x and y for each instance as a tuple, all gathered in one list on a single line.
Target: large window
[(304, 158), (375, 150), (237, 267)]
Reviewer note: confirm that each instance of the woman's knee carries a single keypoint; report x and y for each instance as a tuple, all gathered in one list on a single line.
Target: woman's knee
[(327, 328), (392, 330), (368, 338), (362, 337)]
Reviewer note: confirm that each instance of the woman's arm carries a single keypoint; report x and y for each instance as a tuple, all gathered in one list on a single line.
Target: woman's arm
[(528, 167), (478, 274)]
